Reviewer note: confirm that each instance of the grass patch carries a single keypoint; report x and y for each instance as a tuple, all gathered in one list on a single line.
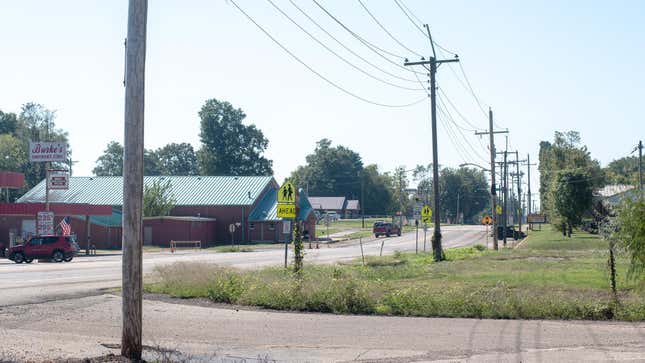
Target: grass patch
[(534, 282), (236, 248)]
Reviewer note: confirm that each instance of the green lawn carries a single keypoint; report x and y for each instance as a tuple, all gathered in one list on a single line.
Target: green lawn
[(547, 277)]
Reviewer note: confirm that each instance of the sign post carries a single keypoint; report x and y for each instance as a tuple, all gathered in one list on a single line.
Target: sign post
[(231, 230), (287, 210), (487, 221)]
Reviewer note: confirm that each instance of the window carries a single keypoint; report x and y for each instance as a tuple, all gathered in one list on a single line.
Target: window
[(251, 226), (49, 240), (271, 226), (36, 241)]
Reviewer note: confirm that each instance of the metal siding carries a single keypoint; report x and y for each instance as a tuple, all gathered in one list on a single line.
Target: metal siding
[(187, 190)]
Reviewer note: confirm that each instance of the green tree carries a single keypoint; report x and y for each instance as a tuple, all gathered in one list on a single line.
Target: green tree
[(623, 171), (566, 153), (111, 162), (571, 193), (158, 199), (8, 123), (631, 233), (228, 146), (330, 171), (177, 159), (377, 192)]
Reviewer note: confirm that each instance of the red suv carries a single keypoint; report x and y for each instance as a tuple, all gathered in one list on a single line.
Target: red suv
[(383, 228), (57, 248)]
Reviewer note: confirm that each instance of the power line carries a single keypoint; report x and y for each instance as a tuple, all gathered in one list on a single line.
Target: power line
[(347, 48), (338, 55), (451, 119), (369, 45), (405, 11), (457, 110), (315, 72), (385, 29)]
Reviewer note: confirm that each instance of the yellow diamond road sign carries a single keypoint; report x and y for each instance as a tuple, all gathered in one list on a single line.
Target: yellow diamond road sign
[(498, 209), (287, 211), (287, 193), (426, 214)]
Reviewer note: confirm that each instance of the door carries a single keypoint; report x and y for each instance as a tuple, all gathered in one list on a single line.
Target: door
[(35, 249), (147, 236)]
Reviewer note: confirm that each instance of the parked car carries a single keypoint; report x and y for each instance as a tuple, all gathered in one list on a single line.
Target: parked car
[(510, 233), (57, 248), (385, 229)]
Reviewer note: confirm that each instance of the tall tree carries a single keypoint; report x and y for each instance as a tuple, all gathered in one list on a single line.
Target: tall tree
[(566, 153), (228, 146), (111, 162), (8, 123), (623, 171), (571, 194), (177, 159), (330, 171), (378, 192)]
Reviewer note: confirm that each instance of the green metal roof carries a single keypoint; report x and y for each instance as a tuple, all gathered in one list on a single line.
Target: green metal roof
[(267, 208), (187, 190)]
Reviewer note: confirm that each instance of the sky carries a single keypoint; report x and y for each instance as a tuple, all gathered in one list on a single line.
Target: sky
[(541, 66)]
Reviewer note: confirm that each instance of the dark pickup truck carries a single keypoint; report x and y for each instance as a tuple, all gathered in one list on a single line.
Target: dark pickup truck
[(385, 229)]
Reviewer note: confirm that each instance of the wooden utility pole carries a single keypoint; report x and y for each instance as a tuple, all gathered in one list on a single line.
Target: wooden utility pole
[(434, 63), (493, 187), (132, 278)]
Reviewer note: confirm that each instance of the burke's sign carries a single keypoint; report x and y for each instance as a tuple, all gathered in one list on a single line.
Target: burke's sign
[(47, 151)]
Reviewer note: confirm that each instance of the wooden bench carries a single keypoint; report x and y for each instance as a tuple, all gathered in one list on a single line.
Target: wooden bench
[(175, 244)]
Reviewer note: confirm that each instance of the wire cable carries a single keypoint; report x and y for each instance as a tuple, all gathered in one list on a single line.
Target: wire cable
[(451, 119), (405, 11), (315, 72), (387, 31), (459, 113), (338, 55), (369, 45), (346, 47)]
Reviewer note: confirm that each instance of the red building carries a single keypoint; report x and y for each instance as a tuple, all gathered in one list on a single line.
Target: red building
[(205, 207)]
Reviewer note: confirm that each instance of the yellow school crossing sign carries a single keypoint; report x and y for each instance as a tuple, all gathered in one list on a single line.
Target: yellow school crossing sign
[(287, 201), (287, 193), (287, 211), (498, 209), (426, 214)]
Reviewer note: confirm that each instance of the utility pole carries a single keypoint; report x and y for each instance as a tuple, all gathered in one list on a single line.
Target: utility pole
[(434, 63), (493, 188), (505, 190), (363, 202), (401, 199), (519, 190), (528, 198), (457, 214), (132, 278)]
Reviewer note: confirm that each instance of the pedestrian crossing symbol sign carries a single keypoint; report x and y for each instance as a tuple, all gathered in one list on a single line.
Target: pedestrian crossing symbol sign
[(287, 193), (426, 214)]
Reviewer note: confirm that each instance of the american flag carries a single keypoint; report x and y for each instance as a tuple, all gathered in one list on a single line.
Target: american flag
[(65, 226)]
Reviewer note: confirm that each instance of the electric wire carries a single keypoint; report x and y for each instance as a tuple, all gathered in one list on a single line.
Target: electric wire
[(451, 119), (346, 47), (475, 128), (385, 29), (378, 51), (405, 11), (458, 148), (338, 55), (316, 72)]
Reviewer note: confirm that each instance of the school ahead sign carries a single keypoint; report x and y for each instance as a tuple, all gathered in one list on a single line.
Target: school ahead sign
[(43, 151), (287, 201)]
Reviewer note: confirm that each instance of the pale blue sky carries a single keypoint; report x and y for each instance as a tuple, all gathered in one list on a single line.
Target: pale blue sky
[(542, 66)]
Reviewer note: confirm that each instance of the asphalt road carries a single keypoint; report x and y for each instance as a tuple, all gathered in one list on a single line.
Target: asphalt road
[(84, 276), (90, 326)]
